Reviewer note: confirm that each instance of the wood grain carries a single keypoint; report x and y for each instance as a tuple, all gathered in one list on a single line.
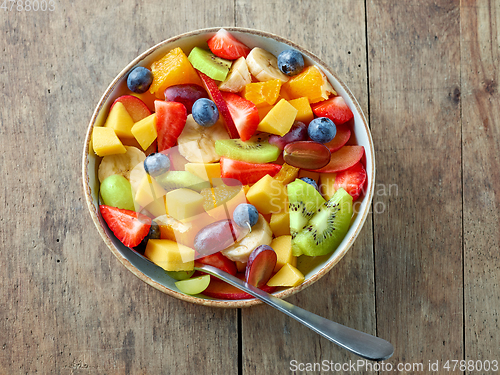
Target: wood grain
[(414, 70), (480, 22), (68, 306), (346, 295)]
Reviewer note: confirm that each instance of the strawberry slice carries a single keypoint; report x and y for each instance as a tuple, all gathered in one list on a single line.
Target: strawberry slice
[(244, 113), (340, 139), (352, 180), (343, 159), (224, 45), (170, 120), (335, 109), (246, 173), (128, 226), (219, 261), (216, 96)]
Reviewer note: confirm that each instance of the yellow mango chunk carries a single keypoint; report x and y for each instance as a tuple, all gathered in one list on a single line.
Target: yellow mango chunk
[(280, 223), (144, 131), (305, 113), (311, 83), (282, 246), (204, 171), (262, 93), (105, 142), (268, 195), (120, 121), (288, 275), (147, 191), (170, 255), (279, 120), (184, 203), (326, 188)]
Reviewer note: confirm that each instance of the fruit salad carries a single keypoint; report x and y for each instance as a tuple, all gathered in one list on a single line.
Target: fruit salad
[(229, 156)]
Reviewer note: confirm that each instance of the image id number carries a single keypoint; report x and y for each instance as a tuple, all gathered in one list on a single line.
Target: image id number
[(28, 5)]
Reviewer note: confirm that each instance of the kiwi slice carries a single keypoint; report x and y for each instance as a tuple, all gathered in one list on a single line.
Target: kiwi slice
[(303, 202), (328, 227), (256, 150), (206, 62), (181, 179)]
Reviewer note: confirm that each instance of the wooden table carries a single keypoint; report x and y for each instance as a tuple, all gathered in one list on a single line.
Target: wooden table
[(423, 274)]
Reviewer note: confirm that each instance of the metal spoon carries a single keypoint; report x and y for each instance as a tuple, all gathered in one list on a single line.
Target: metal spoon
[(362, 344)]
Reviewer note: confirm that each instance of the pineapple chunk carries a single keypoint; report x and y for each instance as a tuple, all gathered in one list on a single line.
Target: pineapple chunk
[(184, 203), (279, 119), (305, 113), (282, 245), (288, 275), (280, 224), (105, 142), (144, 131), (268, 195), (170, 255), (120, 121)]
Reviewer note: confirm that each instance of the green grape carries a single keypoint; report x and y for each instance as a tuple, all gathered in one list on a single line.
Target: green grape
[(193, 286), (180, 275), (117, 192)]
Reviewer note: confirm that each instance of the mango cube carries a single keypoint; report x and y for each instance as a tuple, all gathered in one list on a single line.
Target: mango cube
[(170, 255), (105, 142), (326, 187), (279, 119), (204, 171), (305, 113), (120, 121), (148, 191), (268, 195), (280, 224), (144, 131), (288, 275), (184, 203), (282, 246)]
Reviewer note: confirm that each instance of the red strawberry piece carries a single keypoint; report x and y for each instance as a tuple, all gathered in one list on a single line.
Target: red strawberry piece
[(222, 290), (224, 45), (340, 139), (135, 107), (216, 96), (343, 159), (246, 173), (219, 261), (352, 180), (335, 109), (244, 113), (128, 226), (170, 120)]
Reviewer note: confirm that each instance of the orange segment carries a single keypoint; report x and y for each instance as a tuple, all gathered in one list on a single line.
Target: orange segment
[(262, 93), (311, 83), (172, 69)]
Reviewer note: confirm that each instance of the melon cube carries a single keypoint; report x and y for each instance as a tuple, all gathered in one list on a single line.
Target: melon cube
[(268, 195), (288, 275), (326, 185), (144, 131), (170, 255), (105, 142), (120, 121), (204, 171), (279, 119), (282, 246), (280, 224), (305, 113), (184, 203)]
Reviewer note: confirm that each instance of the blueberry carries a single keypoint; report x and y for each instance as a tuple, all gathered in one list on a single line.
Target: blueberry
[(156, 164), (310, 181), (322, 130), (205, 112), (245, 215), (139, 80), (290, 62)]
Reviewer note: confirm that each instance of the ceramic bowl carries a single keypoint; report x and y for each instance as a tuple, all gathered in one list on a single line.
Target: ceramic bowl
[(155, 276)]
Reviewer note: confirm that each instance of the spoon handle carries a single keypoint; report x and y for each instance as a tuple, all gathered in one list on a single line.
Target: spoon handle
[(362, 344)]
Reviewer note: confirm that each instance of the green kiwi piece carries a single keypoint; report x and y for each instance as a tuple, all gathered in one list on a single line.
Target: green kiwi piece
[(328, 227), (206, 62), (182, 179), (256, 150), (303, 202)]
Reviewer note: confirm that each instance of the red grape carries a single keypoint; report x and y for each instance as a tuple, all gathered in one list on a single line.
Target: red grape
[(186, 94), (306, 154)]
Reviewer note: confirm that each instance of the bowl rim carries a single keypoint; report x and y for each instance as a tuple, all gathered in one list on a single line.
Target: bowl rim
[(217, 302)]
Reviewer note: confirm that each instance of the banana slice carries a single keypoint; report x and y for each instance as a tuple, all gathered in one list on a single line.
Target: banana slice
[(237, 78), (197, 143), (261, 234), (264, 66), (120, 164)]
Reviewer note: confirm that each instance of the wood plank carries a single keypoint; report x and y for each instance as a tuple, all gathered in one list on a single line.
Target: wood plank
[(480, 22), (336, 33), (414, 71), (68, 306)]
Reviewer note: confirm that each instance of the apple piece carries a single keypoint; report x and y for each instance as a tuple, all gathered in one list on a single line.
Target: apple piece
[(222, 290), (135, 107), (340, 139), (260, 265), (215, 94), (217, 236), (343, 159)]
